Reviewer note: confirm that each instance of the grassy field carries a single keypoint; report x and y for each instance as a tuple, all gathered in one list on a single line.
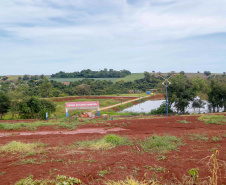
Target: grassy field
[(132, 77)]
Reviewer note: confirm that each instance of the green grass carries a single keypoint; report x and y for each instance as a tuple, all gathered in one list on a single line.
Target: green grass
[(162, 144), (132, 77), (13, 77), (201, 137), (27, 126), (60, 109), (60, 179), (68, 123), (183, 121), (20, 147), (129, 181), (216, 139), (213, 119), (107, 142), (156, 168)]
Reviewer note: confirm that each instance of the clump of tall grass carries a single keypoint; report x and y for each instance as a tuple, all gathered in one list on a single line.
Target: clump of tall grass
[(161, 144), (60, 180), (130, 181), (20, 147), (213, 119), (107, 142)]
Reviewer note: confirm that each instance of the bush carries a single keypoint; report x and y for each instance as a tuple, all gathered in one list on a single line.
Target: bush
[(161, 110)]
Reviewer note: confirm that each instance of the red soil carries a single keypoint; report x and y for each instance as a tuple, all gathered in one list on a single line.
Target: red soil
[(122, 161)]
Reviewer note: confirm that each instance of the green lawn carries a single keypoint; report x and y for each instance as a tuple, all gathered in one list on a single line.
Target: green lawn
[(132, 77)]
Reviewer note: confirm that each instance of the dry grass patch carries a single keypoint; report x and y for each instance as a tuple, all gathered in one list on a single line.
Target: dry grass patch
[(20, 147)]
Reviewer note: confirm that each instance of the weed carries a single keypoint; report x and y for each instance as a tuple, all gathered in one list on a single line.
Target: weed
[(107, 142), (135, 169), (201, 137), (3, 173), (212, 149), (160, 143), (183, 121), (216, 139), (213, 119), (156, 168), (102, 173), (123, 167), (17, 146), (131, 181), (60, 180), (161, 157)]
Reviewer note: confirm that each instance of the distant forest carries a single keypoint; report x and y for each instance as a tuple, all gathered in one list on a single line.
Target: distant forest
[(87, 73)]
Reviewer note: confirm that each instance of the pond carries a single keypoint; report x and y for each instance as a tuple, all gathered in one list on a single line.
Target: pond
[(154, 104)]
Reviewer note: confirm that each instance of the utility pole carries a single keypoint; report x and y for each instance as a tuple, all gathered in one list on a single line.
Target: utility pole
[(166, 98), (167, 103)]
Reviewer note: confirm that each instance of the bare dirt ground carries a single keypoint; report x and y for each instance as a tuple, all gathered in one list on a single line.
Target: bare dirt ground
[(59, 157)]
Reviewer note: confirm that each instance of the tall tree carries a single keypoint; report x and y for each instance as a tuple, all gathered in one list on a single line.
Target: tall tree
[(45, 89), (180, 92), (4, 103), (15, 96)]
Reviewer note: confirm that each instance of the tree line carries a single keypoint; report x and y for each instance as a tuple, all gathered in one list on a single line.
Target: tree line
[(181, 91), (87, 73)]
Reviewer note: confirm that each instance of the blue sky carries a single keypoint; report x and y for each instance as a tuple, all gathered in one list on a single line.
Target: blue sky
[(47, 36)]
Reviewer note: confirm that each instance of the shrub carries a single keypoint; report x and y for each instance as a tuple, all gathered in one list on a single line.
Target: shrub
[(161, 110), (160, 143)]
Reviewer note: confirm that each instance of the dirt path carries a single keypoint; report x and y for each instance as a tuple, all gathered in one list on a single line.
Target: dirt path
[(104, 108)]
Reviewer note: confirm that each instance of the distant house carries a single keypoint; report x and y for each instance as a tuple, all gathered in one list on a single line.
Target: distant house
[(66, 83)]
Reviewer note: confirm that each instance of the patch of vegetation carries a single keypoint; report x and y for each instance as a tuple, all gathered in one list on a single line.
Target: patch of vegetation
[(130, 181), (132, 77), (2, 173), (20, 147), (28, 126), (213, 119), (216, 139), (160, 157), (102, 173), (201, 137), (156, 168), (161, 144), (60, 180), (161, 110), (107, 142), (29, 161), (183, 121)]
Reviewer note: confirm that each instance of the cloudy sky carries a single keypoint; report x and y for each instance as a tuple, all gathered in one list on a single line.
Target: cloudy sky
[(47, 36)]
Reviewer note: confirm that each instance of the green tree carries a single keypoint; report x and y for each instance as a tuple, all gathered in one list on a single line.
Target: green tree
[(198, 103), (82, 89), (180, 92), (15, 97), (45, 89), (4, 103), (147, 76), (207, 73)]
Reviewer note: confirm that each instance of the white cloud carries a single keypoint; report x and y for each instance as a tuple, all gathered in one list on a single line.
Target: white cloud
[(119, 30)]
